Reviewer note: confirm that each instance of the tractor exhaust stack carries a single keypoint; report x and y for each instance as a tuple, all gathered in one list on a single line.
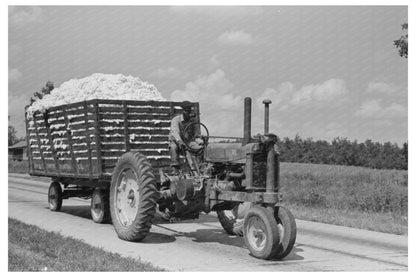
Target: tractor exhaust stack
[(266, 103), (247, 121)]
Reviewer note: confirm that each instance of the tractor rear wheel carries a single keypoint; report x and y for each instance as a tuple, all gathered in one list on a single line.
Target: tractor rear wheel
[(287, 230), (232, 220), (261, 234), (55, 196), (133, 197), (100, 211)]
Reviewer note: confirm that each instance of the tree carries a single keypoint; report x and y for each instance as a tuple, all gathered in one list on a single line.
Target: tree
[(44, 91), (401, 43), (12, 134)]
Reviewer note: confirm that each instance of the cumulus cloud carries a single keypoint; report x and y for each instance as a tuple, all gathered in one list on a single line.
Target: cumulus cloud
[(215, 12), (213, 61), (219, 106), (326, 91), (169, 73), (376, 110), (20, 16), (286, 95), (384, 88), (235, 38), (332, 130), (307, 109), (14, 75)]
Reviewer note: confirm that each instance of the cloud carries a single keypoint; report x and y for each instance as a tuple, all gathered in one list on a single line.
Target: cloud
[(213, 61), (286, 95), (169, 73), (20, 16), (14, 75), (15, 52), (215, 12), (374, 109), (219, 106), (324, 92), (280, 96), (384, 88), (235, 38)]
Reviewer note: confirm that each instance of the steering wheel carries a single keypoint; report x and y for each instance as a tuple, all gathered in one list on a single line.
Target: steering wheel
[(203, 137)]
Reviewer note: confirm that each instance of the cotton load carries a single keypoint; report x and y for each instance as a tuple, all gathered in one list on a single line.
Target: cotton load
[(97, 86)]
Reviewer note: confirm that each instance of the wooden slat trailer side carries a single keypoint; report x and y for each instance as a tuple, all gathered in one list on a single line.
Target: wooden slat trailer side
[(80, 143)]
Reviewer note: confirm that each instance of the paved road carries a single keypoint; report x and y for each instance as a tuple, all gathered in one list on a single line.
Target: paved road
[(201, 245)]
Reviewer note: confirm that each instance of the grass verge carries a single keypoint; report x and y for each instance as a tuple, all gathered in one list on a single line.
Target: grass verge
[(349, 196), (18, 166), (380, 222), (33, 249)]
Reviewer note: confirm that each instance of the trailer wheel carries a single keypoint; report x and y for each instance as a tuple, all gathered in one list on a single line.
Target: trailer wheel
[(55, 196), (133, 196), (261, 233), (287, 230), (232, 220), (100, 211)]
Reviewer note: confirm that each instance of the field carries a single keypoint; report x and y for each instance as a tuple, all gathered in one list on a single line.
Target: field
[(33, 249), (343, 195), (349, 196)]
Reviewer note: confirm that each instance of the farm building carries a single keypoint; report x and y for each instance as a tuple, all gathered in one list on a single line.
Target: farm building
[(18, 151)]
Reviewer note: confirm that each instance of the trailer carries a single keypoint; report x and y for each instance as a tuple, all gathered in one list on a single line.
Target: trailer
[(79, 144)]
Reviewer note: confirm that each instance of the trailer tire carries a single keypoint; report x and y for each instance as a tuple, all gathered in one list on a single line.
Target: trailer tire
[(100, 210), (287, 230), (55, 196), (261, 234), (133, 197)]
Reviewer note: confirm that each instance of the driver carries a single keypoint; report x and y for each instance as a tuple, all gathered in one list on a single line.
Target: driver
[(177, 134)]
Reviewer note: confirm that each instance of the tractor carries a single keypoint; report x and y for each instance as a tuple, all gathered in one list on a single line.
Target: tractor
[(237, 180)]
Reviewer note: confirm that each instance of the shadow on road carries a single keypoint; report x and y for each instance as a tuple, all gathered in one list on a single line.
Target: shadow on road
[(219, 236), (155, 238), (215, 235), (293, 256), (84, 212), (80, 211)]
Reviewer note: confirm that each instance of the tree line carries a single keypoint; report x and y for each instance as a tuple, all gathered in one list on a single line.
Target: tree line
[(12, 137), (341, 151)]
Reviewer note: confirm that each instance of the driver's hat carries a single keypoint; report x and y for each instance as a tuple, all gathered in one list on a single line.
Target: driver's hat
[(187, 106)]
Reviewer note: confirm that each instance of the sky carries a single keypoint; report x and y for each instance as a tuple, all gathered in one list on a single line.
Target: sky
[(330, 71)]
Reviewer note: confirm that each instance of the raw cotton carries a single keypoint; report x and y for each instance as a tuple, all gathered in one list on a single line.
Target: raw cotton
[(97, 86)]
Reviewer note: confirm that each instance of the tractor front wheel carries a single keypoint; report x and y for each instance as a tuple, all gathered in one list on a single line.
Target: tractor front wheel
[(261, 234), (232, 220), (286, 225)]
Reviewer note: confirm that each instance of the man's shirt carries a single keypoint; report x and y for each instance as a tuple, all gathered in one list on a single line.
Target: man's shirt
[(176, 128)]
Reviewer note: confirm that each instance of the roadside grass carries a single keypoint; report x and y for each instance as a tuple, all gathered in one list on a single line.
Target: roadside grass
[(18, 166), (379, 222), (349, 196), (33, 249)]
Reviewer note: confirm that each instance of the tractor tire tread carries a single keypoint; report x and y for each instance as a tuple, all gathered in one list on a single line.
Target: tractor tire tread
[(148, 197)]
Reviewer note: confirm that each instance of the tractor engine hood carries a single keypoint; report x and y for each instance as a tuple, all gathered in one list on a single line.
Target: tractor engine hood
[(222, 152)]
